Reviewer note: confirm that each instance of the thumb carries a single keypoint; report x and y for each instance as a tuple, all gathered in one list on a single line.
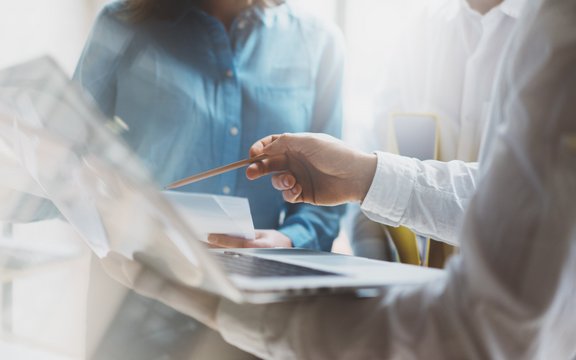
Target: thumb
[(262, 146), (121, 269), (275, 148)]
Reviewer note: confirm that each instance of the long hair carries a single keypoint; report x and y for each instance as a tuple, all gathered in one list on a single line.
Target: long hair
[(139, 10)]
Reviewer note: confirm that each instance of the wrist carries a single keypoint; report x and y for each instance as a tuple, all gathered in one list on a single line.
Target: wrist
[(365, 169)]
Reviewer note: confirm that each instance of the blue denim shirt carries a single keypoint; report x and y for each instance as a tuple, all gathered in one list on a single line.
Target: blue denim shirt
[(196, 95)]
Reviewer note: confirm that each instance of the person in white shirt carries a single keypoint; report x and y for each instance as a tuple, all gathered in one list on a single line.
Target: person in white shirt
[(446, 67), (509, 294)]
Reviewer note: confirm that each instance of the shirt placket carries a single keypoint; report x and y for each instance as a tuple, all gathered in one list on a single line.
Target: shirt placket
[(229, 106), (475, 92), (468, 110)]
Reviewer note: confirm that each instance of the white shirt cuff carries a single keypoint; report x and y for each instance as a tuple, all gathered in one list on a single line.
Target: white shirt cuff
[(391, 189)]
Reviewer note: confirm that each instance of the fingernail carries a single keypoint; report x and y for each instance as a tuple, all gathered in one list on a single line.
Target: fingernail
[(286, 181)]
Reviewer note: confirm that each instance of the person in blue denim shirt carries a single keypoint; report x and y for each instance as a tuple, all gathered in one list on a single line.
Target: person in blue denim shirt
[(197, 82)]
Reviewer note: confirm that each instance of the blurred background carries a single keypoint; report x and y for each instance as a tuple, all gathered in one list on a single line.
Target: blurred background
[(45, 307), (29, 28)]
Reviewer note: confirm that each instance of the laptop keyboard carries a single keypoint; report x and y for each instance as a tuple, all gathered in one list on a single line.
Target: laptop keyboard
[(251, 266)]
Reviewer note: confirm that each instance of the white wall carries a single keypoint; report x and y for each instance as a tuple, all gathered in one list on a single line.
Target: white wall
[(30, 28), (372, 33)]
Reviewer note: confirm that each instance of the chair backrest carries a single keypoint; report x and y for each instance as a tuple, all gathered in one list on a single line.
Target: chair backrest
[(414, 135)]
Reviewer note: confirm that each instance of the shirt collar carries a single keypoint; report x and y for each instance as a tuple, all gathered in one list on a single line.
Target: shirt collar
[(267, 15), (512, 8)]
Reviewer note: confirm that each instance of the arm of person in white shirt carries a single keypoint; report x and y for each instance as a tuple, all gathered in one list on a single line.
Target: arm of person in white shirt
[(429, 197), (510, 293)]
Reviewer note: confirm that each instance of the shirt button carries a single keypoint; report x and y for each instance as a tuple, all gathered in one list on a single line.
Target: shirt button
[(226, 190), (241, 24), (233, 131), (229, 73)]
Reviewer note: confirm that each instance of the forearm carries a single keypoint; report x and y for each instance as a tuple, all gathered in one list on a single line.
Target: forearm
[(338, 327)]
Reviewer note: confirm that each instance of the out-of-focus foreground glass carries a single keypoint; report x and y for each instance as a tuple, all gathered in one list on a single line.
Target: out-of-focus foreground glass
[(63, 164)]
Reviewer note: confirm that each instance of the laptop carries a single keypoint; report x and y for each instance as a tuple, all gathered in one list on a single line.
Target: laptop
[(105, 192)]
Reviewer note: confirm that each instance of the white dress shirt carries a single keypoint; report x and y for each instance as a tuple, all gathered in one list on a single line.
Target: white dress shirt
[(510, 293), (447, 68)]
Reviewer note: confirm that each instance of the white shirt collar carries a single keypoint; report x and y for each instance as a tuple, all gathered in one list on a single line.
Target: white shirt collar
[(512, 8)]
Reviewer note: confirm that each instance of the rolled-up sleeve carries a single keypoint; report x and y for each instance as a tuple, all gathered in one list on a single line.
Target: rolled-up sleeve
[(429, 197)]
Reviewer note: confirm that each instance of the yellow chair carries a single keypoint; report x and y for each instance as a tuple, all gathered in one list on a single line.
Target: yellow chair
[(406, 245), (416, 135)]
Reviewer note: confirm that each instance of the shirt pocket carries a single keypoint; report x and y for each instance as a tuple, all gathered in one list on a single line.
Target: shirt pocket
[(284, 96), (282, 109), (279, 79), (286, 76)]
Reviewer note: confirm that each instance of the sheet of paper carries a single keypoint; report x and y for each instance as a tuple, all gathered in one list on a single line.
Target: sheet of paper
[(214, 214)]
